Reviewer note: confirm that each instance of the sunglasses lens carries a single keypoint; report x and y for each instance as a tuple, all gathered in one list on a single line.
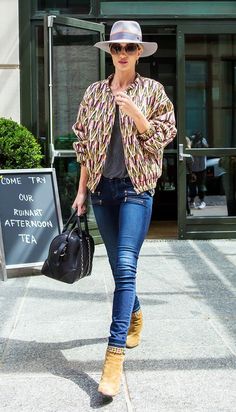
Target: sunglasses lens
[(117, 48), (130, 48)]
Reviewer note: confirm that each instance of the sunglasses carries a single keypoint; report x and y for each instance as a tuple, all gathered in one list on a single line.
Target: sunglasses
[(129, 48)]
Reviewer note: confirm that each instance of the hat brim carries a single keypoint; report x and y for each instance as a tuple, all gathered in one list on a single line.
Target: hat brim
[(149, 48)]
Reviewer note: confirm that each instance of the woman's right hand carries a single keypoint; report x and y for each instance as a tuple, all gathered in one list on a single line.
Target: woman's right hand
[(80, 203)]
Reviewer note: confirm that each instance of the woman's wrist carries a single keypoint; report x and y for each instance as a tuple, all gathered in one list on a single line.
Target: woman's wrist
[(82, 192), (141, 122)]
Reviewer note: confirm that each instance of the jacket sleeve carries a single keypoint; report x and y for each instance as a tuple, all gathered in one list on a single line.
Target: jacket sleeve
[(79, 128), (162, 123)]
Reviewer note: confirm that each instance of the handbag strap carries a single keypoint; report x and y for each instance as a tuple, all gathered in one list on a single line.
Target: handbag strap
[(84, 218), (71, 218), (76, 221)]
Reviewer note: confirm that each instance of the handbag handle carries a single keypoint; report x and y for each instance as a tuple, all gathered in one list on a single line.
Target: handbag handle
[(84, 218), (71, 218), (77, 222)]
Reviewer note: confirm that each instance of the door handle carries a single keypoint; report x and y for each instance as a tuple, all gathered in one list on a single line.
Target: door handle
[(182, 155)]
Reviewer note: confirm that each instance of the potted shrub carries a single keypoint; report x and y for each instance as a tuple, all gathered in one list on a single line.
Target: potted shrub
[(19, 149)]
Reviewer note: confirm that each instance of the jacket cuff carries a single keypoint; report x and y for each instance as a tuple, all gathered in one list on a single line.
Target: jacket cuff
[(81, 157), (148, 133)]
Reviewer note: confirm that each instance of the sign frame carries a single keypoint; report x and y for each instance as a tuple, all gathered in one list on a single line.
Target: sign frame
[(3, 266), (3, 271)]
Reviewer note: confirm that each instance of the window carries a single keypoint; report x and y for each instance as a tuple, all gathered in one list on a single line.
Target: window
[(196, 96), (210, 88), (65, 6)]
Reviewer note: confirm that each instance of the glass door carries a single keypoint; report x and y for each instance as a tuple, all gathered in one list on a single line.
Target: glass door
[(71, 65), (207, 149)]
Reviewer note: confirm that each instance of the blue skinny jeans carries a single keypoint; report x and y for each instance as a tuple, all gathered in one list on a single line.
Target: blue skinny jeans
[(123, 219)]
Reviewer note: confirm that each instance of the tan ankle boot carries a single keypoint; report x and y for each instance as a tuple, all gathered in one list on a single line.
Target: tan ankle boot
[(134, 332), (112, 371)]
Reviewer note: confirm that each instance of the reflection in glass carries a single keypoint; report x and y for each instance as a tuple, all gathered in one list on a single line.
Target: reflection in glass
[(210, 76), (75, 67), (218, 188), (196, 82), (197, 178), (68, 173), (165, 199), (65, 6), (189, 175), (168, 180)]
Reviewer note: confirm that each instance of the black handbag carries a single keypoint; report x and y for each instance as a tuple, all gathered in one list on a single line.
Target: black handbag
[(71, 252)]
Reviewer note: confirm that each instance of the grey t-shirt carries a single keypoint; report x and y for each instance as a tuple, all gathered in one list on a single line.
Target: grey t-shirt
[(115, 161), (199, 162)]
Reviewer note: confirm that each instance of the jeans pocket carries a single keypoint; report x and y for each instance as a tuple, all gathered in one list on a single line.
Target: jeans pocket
[(132, 197)]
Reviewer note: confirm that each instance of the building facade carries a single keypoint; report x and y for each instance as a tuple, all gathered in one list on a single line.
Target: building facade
[(48, 59)]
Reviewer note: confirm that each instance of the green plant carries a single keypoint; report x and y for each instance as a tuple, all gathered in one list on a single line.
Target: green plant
[(19, 149)]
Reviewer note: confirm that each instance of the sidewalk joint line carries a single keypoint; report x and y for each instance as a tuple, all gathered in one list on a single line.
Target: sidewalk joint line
[(227, 344), (127, 394), (15, 321)]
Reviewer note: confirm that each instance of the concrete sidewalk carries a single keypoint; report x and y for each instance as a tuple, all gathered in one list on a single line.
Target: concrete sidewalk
[(53, 336)]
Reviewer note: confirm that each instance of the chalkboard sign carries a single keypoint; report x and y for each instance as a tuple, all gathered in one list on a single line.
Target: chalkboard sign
[(30, 215)]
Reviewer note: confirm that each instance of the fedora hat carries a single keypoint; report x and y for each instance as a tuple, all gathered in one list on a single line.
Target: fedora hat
[(126, 31)]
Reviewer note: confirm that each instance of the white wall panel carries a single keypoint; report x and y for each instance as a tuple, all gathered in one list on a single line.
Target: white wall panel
[(9, 60), (9, 32), (10, 94)]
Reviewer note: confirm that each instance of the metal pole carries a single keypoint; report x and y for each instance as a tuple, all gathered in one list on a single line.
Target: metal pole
[(50, 85)]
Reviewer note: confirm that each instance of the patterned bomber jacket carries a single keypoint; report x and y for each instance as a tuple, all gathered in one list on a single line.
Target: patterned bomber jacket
[(143, 152)]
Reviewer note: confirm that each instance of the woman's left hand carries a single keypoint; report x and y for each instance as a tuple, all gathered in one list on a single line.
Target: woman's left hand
[(127, 105)]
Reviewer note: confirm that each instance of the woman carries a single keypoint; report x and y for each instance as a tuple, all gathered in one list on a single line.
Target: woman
[(189, 175), (199, 172), (123, 125)]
